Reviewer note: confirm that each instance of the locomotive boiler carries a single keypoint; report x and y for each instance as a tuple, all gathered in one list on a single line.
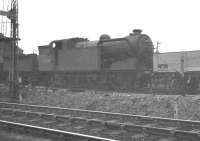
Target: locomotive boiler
[(116, 64)]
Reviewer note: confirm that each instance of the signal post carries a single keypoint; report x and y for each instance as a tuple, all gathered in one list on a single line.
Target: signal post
[(12, 14)]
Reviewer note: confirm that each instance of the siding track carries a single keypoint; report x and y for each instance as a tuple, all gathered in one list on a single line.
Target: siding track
[(116, 126)]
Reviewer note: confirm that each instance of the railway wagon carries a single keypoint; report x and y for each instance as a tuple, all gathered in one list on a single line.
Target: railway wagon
[(177, 71), (117, 64), (27, 68)]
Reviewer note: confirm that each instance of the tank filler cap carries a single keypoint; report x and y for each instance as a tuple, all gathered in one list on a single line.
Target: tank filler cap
[(137, 31)]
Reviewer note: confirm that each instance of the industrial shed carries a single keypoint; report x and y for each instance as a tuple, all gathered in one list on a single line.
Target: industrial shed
[(185, 61)]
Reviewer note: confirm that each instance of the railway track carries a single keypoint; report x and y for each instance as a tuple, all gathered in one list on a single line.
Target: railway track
[(117, 126), (139, 91), (39, 133)]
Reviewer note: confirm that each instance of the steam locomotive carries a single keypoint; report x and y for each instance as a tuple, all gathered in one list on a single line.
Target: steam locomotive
[(120, 64), (116, 64)]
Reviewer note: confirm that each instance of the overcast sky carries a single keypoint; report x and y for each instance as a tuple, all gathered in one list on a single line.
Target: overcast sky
[(174, 23)]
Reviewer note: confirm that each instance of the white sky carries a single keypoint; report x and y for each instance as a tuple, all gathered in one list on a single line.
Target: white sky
[(175, 23)]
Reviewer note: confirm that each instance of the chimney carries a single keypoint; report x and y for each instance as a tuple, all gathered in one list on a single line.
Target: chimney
[(137, 31)]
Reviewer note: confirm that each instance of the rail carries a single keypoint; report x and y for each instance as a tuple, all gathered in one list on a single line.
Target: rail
[(118, 125), (47, 132)]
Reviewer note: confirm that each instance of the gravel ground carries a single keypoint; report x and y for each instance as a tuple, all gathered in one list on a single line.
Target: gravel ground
[(173, 106)]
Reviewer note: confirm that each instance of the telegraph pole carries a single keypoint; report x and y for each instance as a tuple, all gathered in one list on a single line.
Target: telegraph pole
[(14, 51), (12, 14)]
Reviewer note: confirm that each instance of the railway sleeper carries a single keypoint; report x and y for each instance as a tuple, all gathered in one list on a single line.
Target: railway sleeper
[(96, 126), (48, 117), (95, 115), (20, 115), (2, 105), (138, 137), (42, 122), (187, 125), (123, 118), (134, 128), (165, 123), (149, 125), (159, 138), (170, 131), (187, 135), (33, 117), (56, 111), (112, 124), (173, 132), (106, 116), (78, 120), (32, 109), (79, 124), (114, 134), (7, 113), (48, 120), (197, 131), (146, 119), (141, 133), (138, 121), (63, 122), (17, 106), (113, 129), (77, 113), (63, 118), (43, 110)]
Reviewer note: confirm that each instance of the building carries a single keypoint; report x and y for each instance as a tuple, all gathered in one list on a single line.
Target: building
[(185, 61)]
